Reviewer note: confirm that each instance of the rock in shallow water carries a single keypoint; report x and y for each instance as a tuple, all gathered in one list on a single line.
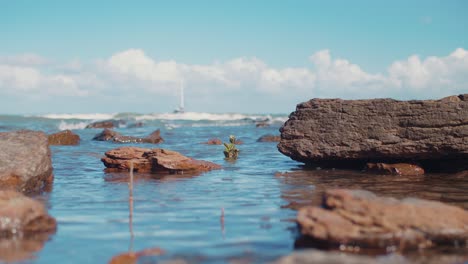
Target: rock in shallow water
[(66, 137), (23, 216), (213, 141), (25, 163), (154, 160), (394, 169), (106, 124), (110, 135), (334, 132), (360, 218), (269, 138)]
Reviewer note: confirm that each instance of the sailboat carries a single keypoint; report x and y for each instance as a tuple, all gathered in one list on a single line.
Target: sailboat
[(181, 109)]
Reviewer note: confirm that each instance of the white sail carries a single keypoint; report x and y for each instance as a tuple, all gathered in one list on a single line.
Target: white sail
[(181, 108)]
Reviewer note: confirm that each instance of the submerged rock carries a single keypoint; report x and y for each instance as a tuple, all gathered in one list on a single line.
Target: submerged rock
[(214, 141), (25, 163), (110, 135), (154, 160), (314, 256), (133, 257), (337, 133), (394, 169), (106, 124), (269, 138), (66, 137), (360, 218), (23, 216)]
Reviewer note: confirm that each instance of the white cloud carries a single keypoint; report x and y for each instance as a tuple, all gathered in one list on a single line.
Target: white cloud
[(132, 73)]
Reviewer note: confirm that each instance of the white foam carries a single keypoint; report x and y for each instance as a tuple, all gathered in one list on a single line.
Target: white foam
[(95, 116), (64, 125), (194, 116)]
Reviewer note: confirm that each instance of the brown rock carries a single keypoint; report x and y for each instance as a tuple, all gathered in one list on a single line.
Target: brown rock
[(110, 135), (269, 138), (25, 163), (66, 137), (360, 218), (132, 257), (21, 215), (154, 160), (106, 124), (432, 133), (394, 169), (262, 124), (214, 141)]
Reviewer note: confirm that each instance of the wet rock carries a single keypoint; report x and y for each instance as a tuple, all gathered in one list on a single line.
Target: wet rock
[(154, 160), (66, 137), (314, 256), (110, 135), (214, 141), (362, 219), (23, 216), (106, 124), (324, 257), (133, 257), (25, 163), (269, 138), (262, 124), (334, 132), (394, 169)]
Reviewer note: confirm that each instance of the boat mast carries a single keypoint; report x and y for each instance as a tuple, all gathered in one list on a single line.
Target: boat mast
[(181, 107)]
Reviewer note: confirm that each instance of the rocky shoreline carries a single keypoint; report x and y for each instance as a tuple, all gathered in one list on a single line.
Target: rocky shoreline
[(391, 140)]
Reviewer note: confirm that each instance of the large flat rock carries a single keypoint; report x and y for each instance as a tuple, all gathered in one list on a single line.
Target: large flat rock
[(360, 218), (154, 161), (340, 132), (25, 163)]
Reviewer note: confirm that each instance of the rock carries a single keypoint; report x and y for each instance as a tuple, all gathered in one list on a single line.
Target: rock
[(133, 257), (106, 124), (360, 218), (313, 256), (25, 163), (154, 160), (269, 138), (334, 132), (214, 141), (394, 169), (110, 135), (66, 137), (23, 216), (262, 124)]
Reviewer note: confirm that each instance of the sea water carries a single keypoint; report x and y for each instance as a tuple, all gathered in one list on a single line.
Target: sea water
[(243, 212)]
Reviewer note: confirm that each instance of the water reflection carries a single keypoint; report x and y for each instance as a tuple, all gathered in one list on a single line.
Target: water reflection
[(15, 249), (305, 187)]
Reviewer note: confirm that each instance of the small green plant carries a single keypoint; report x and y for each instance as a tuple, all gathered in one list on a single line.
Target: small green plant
[(230, 150)]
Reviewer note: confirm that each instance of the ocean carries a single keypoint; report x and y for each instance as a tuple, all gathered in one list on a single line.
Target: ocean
[(242, 213)]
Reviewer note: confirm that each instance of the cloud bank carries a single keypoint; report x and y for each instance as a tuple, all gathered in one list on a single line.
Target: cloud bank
[(133, 74)]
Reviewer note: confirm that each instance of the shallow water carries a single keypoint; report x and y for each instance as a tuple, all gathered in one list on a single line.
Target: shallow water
[(183, 214)]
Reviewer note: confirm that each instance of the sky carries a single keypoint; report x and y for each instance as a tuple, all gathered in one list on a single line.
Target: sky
[(262, 56)]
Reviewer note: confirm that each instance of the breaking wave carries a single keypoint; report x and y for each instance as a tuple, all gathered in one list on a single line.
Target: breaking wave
[(188, 116)]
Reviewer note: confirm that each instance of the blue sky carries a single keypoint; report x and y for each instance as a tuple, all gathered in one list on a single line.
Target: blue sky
[(234, 56)]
